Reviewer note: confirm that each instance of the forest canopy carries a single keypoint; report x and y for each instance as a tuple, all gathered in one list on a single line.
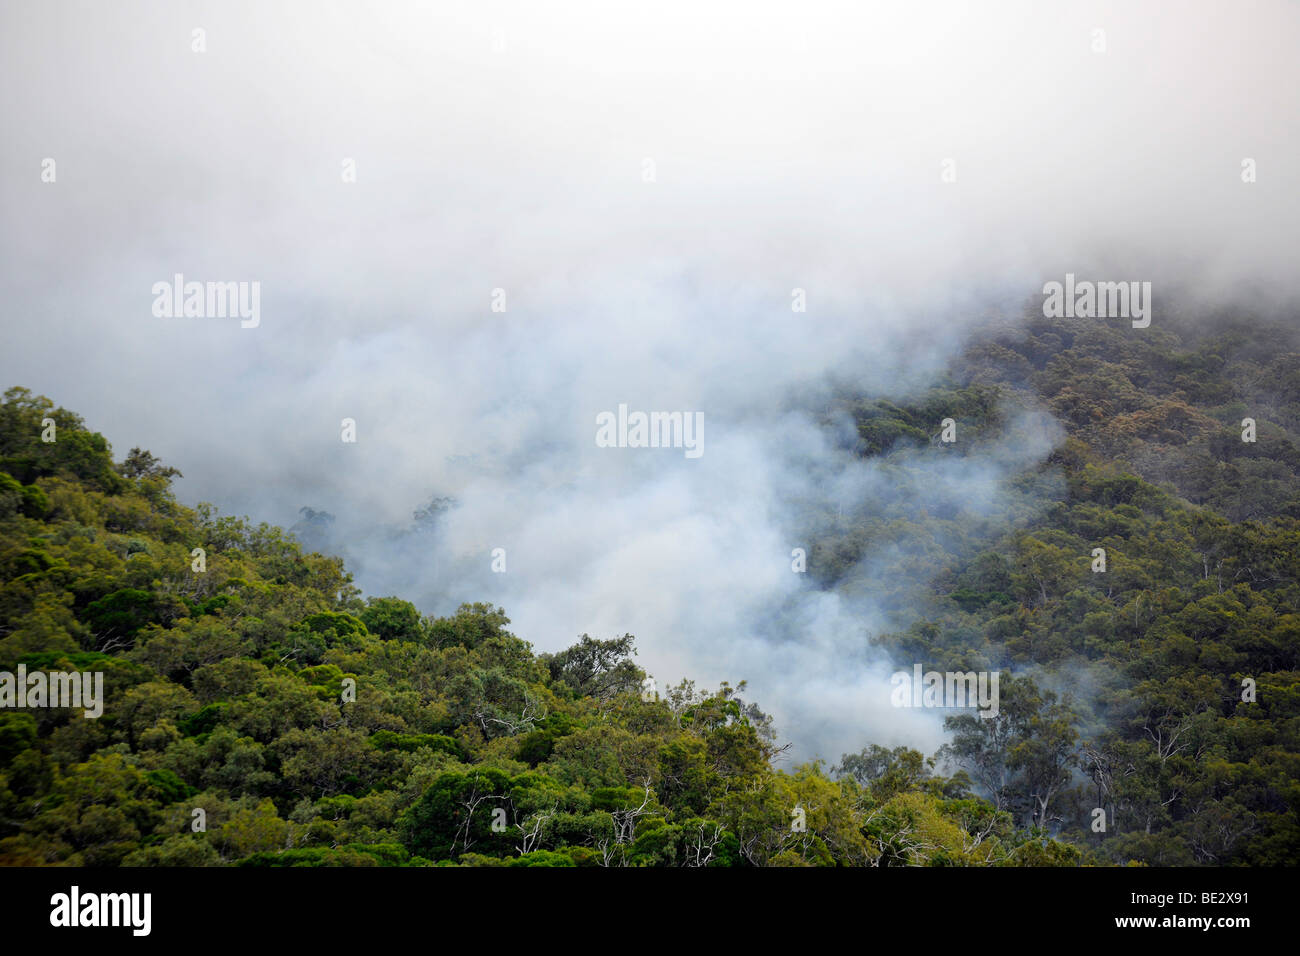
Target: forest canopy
[(260, 711)]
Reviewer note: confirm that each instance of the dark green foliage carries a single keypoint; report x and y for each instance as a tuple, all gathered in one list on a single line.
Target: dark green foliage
[(410, 743), (353, 854), (335, 628), (455, 815), (204, 721), (535, 747), (122, 613), (394, 619), (17, 734), (543, 858), (168, 787)]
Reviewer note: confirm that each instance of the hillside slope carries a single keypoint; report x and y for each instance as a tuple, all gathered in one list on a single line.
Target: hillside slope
[(258, 711), (253, 688)]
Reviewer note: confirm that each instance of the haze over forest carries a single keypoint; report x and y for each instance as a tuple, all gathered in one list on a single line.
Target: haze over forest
[(647, 191)]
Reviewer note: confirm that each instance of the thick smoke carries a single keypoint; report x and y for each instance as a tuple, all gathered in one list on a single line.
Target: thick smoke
[(509, 147)]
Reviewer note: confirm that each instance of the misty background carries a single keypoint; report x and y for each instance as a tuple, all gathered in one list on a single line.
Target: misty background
[(504, 146)]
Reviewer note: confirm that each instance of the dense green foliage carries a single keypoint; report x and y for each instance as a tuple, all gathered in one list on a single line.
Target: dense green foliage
[(1130, 694), (314, 727)]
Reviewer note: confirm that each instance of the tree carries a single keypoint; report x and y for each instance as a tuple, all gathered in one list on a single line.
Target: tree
[(594, 668), (141, 464), (1022, 757), (394, 620)]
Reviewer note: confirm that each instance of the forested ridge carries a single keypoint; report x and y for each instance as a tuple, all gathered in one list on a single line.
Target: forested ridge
[(1128, 687), (305, 724)]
